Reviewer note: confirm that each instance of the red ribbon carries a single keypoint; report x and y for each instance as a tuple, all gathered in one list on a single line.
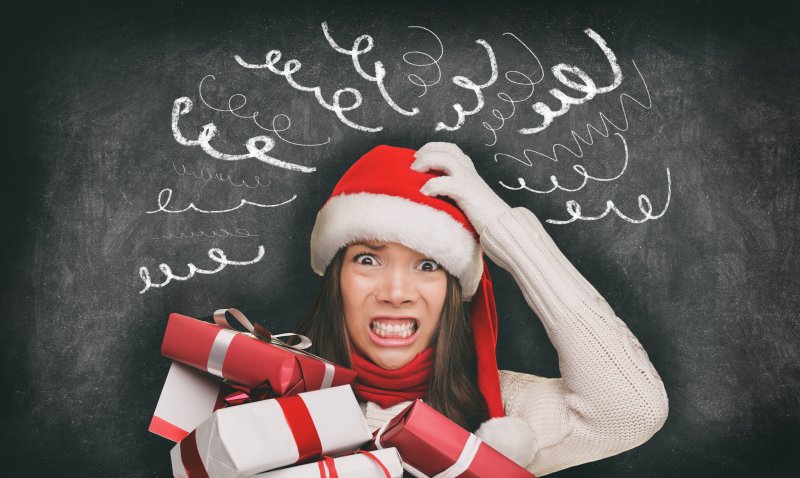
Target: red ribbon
[(331, 467), (297, 416), (376, 460), (190, 457), (328, 463), (302, 426)]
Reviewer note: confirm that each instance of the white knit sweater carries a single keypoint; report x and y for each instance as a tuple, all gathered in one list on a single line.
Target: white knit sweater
[(609, 398)]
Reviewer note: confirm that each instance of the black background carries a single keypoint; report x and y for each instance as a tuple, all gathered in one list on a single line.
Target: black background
[(710, 288)]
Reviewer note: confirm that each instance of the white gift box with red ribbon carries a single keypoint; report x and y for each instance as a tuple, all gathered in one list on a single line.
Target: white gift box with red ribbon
[(188, 398), (247, 439), (377, 464)]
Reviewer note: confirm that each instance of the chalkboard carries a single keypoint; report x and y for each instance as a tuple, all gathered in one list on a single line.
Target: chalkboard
[(164, 157)]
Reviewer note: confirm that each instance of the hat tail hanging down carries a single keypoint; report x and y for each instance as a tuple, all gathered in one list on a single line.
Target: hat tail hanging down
[(484, 332)]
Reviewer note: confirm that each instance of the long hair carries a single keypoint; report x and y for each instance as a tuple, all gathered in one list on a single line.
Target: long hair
[(452, 389)]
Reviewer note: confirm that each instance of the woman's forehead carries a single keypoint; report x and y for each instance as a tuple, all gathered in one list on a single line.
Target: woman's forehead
[(375, 245)]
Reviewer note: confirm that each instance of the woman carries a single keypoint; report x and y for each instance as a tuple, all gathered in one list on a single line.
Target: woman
[(399, 260)]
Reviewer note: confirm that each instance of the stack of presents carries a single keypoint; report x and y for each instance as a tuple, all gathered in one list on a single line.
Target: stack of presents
[(246, 404)]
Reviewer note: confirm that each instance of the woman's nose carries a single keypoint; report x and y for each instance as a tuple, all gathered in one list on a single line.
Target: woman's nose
[(397, 287)]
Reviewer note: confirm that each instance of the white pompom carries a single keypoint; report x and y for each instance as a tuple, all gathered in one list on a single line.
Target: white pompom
[(511, 436)]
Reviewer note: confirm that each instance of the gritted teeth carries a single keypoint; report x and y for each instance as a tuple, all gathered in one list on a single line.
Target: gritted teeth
[(394, 328)]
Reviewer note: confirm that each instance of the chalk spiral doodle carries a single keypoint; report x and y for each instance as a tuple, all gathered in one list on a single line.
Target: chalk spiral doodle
[(165, 196), (645, 207), (221, 233), (291, 67), (578, 168), (477, 89), (206, 174), (587, 86), (416, 79), (380, 72), (602, 129), (504, 96), (215, 254), (257, 146), (233, 110)]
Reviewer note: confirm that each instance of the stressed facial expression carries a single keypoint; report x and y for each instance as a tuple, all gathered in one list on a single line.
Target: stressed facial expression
[(393, 298)]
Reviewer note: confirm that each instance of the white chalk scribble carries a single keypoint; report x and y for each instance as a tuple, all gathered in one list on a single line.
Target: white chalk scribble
[(165, 196), (427, 62), (215, 254)]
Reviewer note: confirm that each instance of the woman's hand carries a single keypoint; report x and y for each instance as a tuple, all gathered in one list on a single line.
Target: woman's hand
[(461, 183)]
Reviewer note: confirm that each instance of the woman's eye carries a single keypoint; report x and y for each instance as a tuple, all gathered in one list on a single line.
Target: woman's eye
[(429, 265), (365, 259)]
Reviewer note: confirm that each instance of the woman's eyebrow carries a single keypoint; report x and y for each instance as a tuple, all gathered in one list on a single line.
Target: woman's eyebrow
[(370, 245)]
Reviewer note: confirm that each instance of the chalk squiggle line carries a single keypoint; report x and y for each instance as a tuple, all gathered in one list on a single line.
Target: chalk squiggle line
[(586, 86), (218, 176), (215, 254), (380, 72), (233, 111), (257, 146), (291, 67), (162, 204), (578, 168), (507, 98), (466, 83), (238, 232), (416, 79), (589, 141), (645, 207)]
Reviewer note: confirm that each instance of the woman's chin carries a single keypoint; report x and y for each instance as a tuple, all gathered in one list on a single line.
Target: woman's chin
[(391, 360)]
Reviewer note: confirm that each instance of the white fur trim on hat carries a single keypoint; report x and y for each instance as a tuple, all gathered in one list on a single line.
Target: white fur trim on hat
[(511, 436), (366, 216)]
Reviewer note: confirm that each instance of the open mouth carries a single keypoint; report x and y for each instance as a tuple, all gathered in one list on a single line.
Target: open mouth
[(393, 328)]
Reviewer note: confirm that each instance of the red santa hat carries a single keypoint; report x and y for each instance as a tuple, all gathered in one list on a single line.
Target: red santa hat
[(379, 199)]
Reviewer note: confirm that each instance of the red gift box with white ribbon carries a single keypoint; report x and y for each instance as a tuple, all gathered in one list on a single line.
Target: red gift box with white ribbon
[(245, 359), (362, 464), (431, 445), (240, 441)]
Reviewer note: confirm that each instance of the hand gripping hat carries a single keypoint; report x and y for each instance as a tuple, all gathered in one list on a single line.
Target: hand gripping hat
[(379, 199)]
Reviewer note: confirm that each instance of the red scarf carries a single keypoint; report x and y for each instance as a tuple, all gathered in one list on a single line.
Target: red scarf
[(390, 387)]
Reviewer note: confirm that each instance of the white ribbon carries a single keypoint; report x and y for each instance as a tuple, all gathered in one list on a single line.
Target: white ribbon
[(304, 343), (464, 460), (327, 379), (378, 444), (460, 466), (218, 351)]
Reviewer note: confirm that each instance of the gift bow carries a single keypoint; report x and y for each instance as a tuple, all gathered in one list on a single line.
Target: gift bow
[(460, 466), (327, 466), (257, 330), (242, 394), (219, 349)]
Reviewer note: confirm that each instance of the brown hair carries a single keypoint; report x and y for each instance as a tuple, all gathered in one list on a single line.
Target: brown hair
[(452, 389)]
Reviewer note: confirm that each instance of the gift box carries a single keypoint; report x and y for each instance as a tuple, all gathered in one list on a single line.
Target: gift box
[(247, 360), (255, 437), (363, 464), (187, 398), (430, 444)]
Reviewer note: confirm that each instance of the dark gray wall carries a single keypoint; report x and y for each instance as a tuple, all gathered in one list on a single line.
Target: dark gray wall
[(710, 287)]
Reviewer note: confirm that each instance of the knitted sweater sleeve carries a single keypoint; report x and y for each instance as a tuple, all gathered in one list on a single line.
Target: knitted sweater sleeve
[(609, 397)]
